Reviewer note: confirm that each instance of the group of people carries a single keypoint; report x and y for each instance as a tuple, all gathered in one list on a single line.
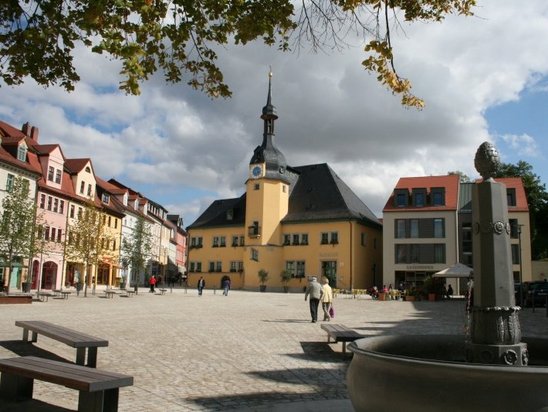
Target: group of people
[(319, 293)]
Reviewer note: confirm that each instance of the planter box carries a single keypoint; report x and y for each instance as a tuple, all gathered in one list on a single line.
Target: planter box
[(15, 299), (410, 298)]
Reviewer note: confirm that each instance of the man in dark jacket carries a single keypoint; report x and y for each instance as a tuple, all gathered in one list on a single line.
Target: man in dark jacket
[(314, 289)]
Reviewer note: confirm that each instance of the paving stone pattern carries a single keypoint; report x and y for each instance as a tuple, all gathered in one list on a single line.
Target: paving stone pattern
[(246, 351)]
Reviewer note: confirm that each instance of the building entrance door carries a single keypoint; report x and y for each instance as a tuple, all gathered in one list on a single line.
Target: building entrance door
[(329, 270)]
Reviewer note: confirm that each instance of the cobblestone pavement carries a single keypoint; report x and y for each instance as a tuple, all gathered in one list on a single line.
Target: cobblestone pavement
[(246, 351)]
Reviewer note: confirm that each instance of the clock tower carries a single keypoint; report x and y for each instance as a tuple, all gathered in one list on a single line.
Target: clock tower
[(267, 190)]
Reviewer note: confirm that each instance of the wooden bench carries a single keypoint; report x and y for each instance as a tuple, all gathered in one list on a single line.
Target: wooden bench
[(98, 389), (109, 293), (72, 338), (44, 296), (340, 333)]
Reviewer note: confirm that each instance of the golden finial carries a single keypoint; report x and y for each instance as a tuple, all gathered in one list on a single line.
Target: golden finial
[(270, 72)]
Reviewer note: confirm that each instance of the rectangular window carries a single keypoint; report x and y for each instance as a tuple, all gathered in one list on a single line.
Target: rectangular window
[(414, 228), (55, 205), (62, 206), (233, 266), (42, 201), (58, 176), (215, 241), (242, 240), (9, 182), (115, 223), (51, 173), (222, 241), (240, 266), (234, 240), (438, 196), (255, 255), (212, 266), (400, 228), (290, 267), (199, 241), (439, 253), (218, 266), (82, 187), (511, 196), (46, 232), (89, 190), (304, 239), (22, 153), (53, 234), (71, 214), (50, 201), (300, 269), (198, 266), (287, 240), (325, 238), (295, 239), (439, 228), (59, 235), (515, 254), (256, 186), (109, 221), (401, 197), (192, 267), (114, 245), (363, 239), (419, 197), (334, 238), (514, 228), (105, 198)]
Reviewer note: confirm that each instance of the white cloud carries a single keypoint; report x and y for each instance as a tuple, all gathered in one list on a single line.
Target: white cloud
[(522, 144)]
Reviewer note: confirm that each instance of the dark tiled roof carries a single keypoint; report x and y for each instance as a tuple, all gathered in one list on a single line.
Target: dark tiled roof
[(76, 165), (216, 214), (318, 195)]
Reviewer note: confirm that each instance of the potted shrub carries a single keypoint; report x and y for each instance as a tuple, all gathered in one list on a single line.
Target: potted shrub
[(285, 277), (263, 278)]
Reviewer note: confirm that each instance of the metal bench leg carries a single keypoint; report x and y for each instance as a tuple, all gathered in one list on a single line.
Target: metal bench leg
[(344, 347), (101, 401), (92, 357), (15, 387), (81, 356)]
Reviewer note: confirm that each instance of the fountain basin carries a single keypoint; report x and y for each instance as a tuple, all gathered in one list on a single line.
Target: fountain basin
[(428, 373)]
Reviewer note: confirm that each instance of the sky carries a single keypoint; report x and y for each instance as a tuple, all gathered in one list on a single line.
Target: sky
[(483, 78)]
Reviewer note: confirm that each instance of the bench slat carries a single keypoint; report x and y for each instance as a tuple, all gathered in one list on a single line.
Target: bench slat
[(67, 374), (68, 336)]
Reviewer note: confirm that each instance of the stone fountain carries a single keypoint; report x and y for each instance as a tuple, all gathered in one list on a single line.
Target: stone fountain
[(488, 370)]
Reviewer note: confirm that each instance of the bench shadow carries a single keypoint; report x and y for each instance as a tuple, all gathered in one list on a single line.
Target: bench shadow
[(296, 376), (286, 320), (21, 348), (320, 352), (33, 405)]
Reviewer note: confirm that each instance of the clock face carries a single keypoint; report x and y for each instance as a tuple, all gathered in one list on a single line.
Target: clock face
[(256, 171)]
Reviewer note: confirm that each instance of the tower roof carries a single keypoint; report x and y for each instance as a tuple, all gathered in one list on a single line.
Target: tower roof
[(267, 152)]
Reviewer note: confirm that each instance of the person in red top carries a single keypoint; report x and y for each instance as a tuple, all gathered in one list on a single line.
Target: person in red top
[(152, 283)]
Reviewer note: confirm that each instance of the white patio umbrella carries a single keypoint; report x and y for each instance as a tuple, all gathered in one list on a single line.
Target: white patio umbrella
[(458, 270)]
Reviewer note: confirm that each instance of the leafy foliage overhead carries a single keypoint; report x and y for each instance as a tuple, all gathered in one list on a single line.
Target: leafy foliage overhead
[(38, 38)]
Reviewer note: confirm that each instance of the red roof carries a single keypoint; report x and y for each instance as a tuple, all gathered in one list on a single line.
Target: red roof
[(450, 183), (521, 199)]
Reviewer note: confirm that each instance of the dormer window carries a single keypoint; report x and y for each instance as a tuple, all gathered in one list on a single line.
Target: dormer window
[(88, 169), (419, 197), (511, 196), (438, 196), (58, 176), (401, 197), (105, 198), (22, 153)]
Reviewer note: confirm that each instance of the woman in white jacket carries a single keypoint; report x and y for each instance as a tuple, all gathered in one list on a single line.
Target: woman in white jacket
[(326, 299)]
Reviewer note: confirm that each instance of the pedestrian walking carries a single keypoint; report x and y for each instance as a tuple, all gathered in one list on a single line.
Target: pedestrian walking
[(201, 285), (314, 290), (226, 286), (152, 283), (326, 299)]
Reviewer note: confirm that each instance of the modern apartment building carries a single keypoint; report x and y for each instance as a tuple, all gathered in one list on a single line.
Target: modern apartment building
[(427, 227), (300, 220)]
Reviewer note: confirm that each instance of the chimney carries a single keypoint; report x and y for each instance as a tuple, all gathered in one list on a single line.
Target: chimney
[(34, 133), (25, 128)]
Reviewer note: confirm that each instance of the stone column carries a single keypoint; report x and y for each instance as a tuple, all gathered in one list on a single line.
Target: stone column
[(495, 328)]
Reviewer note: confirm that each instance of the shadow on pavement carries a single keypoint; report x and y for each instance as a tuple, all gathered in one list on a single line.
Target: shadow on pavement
[(21, 348)]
